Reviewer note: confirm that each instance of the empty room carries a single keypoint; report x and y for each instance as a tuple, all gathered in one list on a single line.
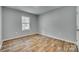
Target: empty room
[(38, 29)]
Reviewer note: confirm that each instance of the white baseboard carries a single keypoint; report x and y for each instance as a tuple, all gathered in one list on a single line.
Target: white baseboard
[(59, 38), (41, 34), (19, 36)]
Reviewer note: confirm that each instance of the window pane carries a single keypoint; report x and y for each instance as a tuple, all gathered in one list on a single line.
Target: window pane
[(25, 27), (25, 19)]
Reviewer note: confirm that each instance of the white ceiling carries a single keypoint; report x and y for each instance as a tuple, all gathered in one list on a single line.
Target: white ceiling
[(35, 9)]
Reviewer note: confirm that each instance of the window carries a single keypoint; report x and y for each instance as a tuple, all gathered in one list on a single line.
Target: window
[(25, 23)]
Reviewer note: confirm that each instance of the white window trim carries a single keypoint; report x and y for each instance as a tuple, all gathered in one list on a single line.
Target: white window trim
[(26, 21)]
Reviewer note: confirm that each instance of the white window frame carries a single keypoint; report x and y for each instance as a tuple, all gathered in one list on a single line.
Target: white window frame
[(25, 23)]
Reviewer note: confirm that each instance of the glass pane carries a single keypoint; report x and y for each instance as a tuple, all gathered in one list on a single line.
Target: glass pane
[(25, 27), (25, 19)]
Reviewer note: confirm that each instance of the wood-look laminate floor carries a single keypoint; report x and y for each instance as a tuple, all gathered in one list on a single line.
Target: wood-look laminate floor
[(37, 43)]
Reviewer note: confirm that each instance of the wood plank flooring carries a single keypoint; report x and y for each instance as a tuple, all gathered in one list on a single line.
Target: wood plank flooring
[(37, 43)]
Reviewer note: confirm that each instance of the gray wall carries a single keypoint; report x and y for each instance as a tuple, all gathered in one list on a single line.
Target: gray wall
[(12, 23), (60, 23), (0, 23), (0, 26), (77, 9)]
